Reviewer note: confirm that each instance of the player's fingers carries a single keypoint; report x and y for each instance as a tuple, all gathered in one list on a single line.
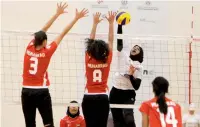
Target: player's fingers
[(113, 13), (109, 13), (66, 5), (99, 14), (63, 5), (86, 11), (83, 10), (60, 4), (106, 17)]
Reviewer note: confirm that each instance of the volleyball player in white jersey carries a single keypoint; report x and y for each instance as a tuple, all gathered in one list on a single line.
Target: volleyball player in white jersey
[(127, 80), (191, 119)]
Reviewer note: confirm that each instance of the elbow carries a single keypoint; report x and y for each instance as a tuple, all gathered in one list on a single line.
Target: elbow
[(136, 88)]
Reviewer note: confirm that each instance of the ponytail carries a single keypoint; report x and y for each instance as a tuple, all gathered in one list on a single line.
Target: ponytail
[(162, 103)]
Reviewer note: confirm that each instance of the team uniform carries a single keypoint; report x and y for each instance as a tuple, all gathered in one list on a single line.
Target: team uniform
[(191, 120), (95, 103), (35, 93), (72, 122), (123, 90), (156, 119)]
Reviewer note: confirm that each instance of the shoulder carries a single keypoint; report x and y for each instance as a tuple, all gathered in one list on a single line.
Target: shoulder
[(147, 103), (171, 102), (65, 117), (52, 44), (150, 101), (80, 117)]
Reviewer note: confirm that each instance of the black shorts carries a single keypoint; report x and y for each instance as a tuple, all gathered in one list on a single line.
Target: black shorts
[(37, 98), (95, 110), (122, 117)]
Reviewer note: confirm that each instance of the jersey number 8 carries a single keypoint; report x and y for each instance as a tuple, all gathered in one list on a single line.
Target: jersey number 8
[(97, 75)]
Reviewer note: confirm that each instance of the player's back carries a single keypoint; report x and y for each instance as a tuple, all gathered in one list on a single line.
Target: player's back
[(36, 63), (97, 73), (157, 119)]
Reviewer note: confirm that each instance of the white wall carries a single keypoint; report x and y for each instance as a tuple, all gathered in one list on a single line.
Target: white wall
[(168, 18)]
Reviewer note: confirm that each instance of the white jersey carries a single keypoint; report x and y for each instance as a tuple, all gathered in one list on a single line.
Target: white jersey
[(191, 120), (123, 63)]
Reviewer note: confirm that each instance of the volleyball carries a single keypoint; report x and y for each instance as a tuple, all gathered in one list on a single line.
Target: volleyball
[(123, 18)]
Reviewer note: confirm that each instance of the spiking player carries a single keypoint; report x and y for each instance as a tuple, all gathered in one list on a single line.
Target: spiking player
[(127, 80), (35, 92)]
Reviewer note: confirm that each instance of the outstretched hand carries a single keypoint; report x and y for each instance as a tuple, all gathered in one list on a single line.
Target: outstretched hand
[(96, 18), (61, 8), (81, 14), (111, 17)]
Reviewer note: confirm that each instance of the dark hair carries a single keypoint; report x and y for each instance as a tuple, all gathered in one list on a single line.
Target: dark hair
[(68, 112), (97, 49), (160, 87), (40, 36), (139, 57)]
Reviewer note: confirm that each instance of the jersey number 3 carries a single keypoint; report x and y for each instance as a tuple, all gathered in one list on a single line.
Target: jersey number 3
[(97, 75), (170, 117), (33, 65)]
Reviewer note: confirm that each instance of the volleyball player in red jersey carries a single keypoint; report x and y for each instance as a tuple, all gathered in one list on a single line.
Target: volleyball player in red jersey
[(35, 93), (98, 58), (160, 111)]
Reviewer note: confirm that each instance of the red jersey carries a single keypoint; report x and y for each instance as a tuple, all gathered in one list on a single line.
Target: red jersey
[(97, 74), (156, 119), (72, 122), (36, 63)]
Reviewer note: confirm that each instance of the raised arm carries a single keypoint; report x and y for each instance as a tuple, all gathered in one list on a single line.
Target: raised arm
[(60, 10), (78, 16), (96, 20), (111, 18)]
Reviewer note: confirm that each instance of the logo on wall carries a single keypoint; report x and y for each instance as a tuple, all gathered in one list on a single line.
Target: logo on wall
[(148, 6), (146, 20), (124, 4), (148, 3), (100, 4), (99, 1), (148, 72)]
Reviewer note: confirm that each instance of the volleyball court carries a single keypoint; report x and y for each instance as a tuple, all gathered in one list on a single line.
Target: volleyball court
[(175, 58)]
